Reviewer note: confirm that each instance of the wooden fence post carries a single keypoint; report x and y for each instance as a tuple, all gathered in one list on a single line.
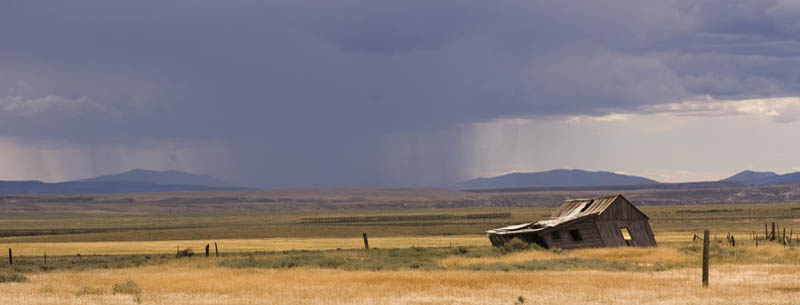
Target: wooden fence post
[(733, 241), (783, 239), (766, 233), (772, 236), (216, 249), (10, 257), (207, 253), (366, 242), (705, 258), (45, 258)]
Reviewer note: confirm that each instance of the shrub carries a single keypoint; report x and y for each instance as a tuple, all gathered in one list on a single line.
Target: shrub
[(185, 253), (460, 250), (12, 276), (129, 287), (515, 244)]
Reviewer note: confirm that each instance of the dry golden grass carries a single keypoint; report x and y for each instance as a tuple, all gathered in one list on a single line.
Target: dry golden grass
[(657, 255), (240, 245), (519, 257), (265, 244), (193, 282)]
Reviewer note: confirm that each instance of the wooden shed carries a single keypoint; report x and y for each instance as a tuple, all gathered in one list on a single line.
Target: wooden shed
[(610, 221)]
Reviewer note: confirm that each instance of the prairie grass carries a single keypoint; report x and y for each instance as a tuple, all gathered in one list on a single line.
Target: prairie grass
[(511, 258), (730, 284), (9, 276), (125, 222), (239, 245)]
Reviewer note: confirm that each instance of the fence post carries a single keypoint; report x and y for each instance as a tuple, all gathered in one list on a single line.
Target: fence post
[(45, 258), (766, 233), (733, 241), (783, 239), (216, 250), (705, 258), (773, 237), (207, 246), (366, 242), (10, 257)]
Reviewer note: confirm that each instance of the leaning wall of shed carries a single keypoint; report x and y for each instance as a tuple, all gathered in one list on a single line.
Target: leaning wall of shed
[(591, 237), (622, 214), (621, 209), (641, 234)]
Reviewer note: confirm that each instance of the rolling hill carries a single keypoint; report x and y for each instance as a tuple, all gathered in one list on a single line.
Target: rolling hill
[(764, 178), (134, 181), (749, 176), (554, 178), (170, 177)]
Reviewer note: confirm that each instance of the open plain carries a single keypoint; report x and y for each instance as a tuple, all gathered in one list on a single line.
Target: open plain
[(125, 253)]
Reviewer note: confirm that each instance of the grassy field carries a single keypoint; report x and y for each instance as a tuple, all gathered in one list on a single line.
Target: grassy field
[(669, 220), (277, 258), (668, 274)]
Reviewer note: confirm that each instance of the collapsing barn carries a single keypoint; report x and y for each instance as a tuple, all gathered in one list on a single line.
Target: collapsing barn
[(584, 223)]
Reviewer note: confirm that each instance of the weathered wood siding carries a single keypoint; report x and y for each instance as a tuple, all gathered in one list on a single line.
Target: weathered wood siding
[(641, 234), (599, 221), (621, 209), (588, 230), (622, 214)]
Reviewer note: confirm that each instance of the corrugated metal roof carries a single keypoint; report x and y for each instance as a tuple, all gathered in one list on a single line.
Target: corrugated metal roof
[(569, 211)]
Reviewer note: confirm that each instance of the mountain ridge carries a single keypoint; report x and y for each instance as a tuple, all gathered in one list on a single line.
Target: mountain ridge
[(132, 181), (750, 177), (554, 178), (167, 177)]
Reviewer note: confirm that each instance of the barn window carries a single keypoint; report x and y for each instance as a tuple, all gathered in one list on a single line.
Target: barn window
[(626, 235), (576, 235), (555, 235)]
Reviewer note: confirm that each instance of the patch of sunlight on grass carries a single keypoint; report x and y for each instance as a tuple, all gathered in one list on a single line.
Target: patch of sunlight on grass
[(240, 245)]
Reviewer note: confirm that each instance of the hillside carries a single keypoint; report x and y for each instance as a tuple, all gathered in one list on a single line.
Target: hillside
[(554, 178), (764, 178), (134, 181), (170, 177), (749, 176)]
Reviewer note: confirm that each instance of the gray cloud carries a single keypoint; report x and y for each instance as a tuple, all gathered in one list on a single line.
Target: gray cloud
[(312, 93)]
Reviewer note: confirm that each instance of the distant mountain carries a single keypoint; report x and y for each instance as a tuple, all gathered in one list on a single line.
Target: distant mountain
[(134, 181), (748, 177), (170, 177), (553, 178), (764, 178)]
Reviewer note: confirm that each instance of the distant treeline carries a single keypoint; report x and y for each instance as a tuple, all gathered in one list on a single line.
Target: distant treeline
[(403, 218)]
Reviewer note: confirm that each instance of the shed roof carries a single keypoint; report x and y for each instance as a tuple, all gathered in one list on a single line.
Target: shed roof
[(571, 210)]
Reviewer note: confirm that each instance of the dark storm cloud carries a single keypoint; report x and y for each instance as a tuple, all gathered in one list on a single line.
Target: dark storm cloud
[(318, 92)]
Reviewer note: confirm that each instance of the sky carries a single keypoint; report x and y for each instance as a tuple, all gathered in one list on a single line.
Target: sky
[(374, 93)]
